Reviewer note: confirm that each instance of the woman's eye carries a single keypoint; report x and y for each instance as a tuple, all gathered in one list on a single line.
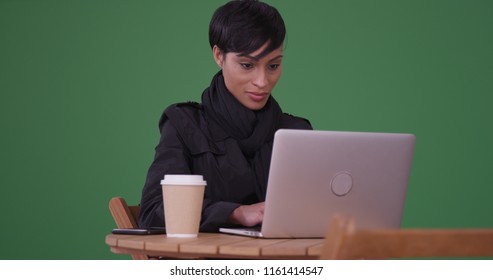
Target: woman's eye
[(274, 66), (246, 65)]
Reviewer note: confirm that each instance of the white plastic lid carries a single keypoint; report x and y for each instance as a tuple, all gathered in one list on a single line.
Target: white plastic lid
[(192, 180)]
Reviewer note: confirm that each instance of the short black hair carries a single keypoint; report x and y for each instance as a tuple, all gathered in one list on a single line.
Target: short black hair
[(243, 26)]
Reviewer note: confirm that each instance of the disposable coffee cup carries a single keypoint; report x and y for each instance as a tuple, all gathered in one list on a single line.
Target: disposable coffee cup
[(183, 196)]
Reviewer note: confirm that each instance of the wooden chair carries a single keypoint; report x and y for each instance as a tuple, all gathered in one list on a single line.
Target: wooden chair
[(125, 217), (344, 241)]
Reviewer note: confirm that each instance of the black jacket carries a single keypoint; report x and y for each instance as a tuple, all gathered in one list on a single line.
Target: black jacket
[(189, 145)]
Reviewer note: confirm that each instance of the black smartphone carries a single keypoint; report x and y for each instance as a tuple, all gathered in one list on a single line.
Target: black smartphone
[(139, 231)]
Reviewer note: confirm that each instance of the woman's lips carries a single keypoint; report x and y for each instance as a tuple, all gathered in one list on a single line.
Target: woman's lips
[(257, 96)]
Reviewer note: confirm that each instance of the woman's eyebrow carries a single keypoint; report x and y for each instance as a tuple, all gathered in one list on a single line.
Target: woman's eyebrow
[(257, 59), (276, 58)]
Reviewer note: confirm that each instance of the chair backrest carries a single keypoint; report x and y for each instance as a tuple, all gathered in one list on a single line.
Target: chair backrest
[(344, 241), (125, 217)]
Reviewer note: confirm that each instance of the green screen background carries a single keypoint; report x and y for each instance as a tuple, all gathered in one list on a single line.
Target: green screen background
[(83, 84)]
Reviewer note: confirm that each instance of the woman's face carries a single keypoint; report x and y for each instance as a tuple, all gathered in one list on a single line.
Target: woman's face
[(249, 79)]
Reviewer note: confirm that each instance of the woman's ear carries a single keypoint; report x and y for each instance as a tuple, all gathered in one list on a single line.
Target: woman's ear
[(218, 56)]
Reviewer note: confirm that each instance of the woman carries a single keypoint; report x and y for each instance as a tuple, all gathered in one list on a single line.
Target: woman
[(228, 138)]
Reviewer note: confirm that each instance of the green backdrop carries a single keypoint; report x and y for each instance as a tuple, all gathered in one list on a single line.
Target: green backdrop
[(83, 84)]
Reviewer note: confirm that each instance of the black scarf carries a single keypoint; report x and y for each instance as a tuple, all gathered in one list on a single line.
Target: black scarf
[(253, 130)]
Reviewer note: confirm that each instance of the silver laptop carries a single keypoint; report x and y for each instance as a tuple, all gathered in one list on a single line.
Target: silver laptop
[(314, 174)]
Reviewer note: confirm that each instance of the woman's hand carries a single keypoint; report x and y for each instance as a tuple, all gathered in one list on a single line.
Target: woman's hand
[(248, 215)]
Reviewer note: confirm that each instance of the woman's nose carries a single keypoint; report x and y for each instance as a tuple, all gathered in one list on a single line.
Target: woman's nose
[(260, 79)]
